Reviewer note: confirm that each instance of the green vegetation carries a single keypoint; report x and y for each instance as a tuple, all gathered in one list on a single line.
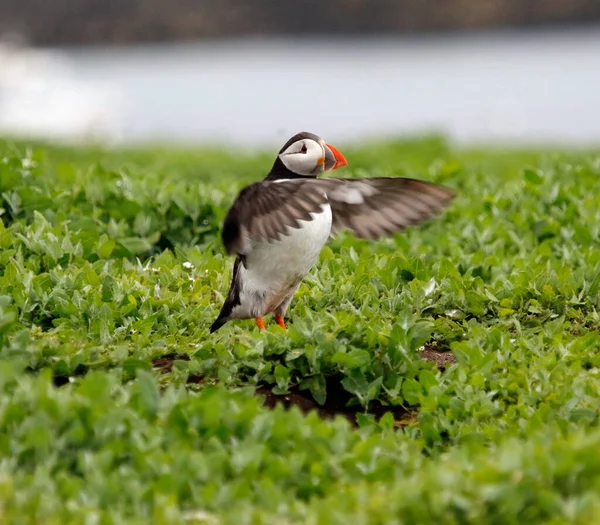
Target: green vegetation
[(117, 406)]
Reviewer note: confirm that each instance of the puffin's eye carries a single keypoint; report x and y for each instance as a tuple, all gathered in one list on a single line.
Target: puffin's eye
[(304, 148)]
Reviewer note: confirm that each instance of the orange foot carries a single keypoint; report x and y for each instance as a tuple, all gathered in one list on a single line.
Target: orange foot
[(279, 320), (260, 323)]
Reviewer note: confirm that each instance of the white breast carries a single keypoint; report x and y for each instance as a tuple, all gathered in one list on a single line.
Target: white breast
[(273, 267)]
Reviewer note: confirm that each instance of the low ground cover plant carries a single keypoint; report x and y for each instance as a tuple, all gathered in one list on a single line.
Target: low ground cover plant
[(451, 371)]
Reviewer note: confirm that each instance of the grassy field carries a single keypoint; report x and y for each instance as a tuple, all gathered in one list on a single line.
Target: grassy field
[(453, 369)]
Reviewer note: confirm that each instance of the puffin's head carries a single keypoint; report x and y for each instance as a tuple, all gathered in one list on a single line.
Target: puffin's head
[(307, 155)]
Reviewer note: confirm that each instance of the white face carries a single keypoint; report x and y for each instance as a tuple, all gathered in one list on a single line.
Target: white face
[(304, 157)]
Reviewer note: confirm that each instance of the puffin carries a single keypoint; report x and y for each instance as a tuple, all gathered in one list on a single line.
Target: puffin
[(277, 227)]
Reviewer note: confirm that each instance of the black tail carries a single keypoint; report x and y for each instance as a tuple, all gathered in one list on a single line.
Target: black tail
[(217, 324), (233, 298)]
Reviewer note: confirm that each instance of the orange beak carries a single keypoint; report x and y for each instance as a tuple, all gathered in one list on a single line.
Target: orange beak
[(333, 158)]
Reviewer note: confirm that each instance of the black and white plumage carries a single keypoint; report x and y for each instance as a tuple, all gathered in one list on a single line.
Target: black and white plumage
[(277, 227)]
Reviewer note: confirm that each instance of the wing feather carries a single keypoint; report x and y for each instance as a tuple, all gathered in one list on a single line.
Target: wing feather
[(264, 211), (370, 208)]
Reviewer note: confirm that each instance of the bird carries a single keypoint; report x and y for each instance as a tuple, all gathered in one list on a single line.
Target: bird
[(277, 227)]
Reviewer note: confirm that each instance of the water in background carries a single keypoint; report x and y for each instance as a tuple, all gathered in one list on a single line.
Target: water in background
[(515, 87)]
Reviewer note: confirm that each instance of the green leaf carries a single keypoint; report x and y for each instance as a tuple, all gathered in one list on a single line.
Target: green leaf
[(107, 289), (374, 389), (359, 358), (135, 245), (282, 377), (106, 248), (132, 365), (357, 384), (532, 176), (294, 354), (149, 396), (594, 286), (317, 387), (387, 421), (427, 380), (411, 391)]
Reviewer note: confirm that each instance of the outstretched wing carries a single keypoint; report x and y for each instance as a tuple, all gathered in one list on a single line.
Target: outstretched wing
[(378, 206), (370, 208), (266, 210)]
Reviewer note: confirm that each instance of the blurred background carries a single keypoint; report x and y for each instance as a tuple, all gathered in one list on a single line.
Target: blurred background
[(253, 72)]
